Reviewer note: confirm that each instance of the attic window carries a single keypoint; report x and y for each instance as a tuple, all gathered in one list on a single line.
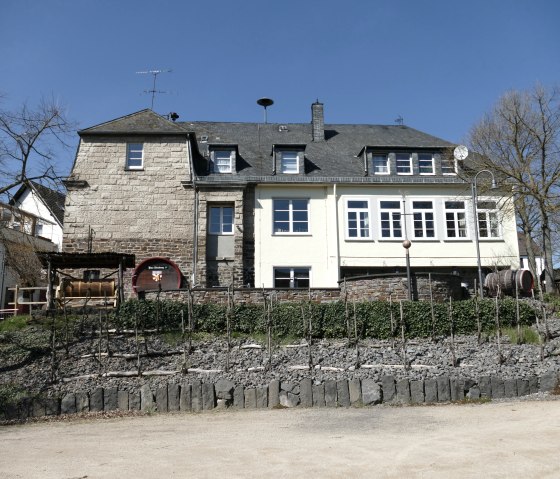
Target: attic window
[(222, 160), (289, 162), (204, 139), (134, 156)]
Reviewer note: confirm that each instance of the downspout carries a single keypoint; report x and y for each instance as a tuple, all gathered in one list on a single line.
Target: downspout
[(337, 233), (195, 219)]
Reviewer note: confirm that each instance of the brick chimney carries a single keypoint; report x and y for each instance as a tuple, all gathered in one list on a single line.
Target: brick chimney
[(318, 121)]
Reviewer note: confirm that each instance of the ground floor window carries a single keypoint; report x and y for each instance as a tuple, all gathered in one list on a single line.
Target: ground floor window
[(291, 277)]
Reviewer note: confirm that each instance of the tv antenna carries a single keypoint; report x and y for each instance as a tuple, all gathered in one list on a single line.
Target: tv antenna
[(399, 120), (153, 91), (265, 102)]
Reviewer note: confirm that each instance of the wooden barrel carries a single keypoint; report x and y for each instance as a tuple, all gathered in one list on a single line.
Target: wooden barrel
[(508, 279), (524, 280), (98, 288)]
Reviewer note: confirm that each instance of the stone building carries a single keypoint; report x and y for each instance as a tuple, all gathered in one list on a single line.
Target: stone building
[(293, 205)]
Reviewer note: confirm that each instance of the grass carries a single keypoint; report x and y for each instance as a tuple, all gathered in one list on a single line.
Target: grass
[(528, 335), (15, 323)]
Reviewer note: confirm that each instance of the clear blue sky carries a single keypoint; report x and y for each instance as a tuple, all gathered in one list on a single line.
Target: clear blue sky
[(439, 64)]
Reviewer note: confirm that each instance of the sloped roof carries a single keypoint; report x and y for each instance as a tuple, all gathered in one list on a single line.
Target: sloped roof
[(143, 122), (53, 199), (523, 250)]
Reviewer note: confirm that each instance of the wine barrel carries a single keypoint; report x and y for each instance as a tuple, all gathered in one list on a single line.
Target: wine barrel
[(98, 288), (508, 280)]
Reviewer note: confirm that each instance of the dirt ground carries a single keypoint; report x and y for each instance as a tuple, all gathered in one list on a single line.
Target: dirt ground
[(506, 439)]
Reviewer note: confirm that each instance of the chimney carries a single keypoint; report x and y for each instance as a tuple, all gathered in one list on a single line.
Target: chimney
[(318, 121)]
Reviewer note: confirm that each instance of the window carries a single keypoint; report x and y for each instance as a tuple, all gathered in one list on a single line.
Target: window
[(291, 216), (221, 220), (380, 164), (358, 219), (291, 277), (390, 219), (488, 224), (289, 162), (423, 219), (134, 156), (448, 166), (222, 161), (455, 219), (404, 164), (425, 163), (38, 229)]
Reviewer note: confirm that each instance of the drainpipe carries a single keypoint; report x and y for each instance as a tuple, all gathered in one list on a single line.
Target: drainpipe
[(337, 233), (195, 218)]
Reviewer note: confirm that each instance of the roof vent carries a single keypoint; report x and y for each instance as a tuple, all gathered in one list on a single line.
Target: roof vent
[(204, 139), (282, 128)]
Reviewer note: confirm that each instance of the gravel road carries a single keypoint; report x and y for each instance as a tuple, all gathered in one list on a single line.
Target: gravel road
[(495, 440)]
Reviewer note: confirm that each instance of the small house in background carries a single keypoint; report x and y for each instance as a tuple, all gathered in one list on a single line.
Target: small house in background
[(524, 256)]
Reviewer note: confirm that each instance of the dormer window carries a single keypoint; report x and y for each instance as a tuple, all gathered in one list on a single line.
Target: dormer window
[(404, 163), (222, 161), (380, 164), (289, 162), (448, 166), (426, 164)]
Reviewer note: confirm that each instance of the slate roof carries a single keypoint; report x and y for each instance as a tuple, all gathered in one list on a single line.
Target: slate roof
[(337, 156), (53, 200), (143, 122)]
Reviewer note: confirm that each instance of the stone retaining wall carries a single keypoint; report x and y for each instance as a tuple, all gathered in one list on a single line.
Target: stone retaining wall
[(199, 395)]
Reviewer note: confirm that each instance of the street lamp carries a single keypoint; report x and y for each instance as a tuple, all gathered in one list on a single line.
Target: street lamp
[(475, 213), (406, 245)]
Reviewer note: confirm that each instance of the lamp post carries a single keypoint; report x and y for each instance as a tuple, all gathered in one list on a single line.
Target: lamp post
[(476, 236), (406, 245)]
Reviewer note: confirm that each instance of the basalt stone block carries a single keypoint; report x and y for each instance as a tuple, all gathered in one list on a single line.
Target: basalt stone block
[(288, 399), (533, 384), (549, 381), (319, 395), (403, 391), (224, 389), (485, 385), (474, 392), (82, 402), (330, 393), (68, 404), (343, 394), (371, 392), (430, 391), (251, 398), (122, 400), (146, 398), (96, 400), (510, 388), (134, 401), (38, 407), (289, 387), (239, 397), (208, 396), (523, 387), (355, 390), (161, 399), (274, 393), (388, 386), (24, 408), (185, 397), (457, 386), (110, 399), (52, 406), (196, 397), (262, 397), (417, 391), (498, 390), (173, 397), (306, 392), (443, 388)]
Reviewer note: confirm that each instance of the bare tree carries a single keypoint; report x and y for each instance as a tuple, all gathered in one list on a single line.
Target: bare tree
[(519, 140), (29, 138)]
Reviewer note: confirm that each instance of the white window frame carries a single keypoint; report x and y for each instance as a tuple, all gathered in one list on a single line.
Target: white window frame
[(386, 167), (488, 213), (358, 211), (420, 214), (451, 161), (215, 153), (222, 230), (402, 155), (392, 212), (456, 220), (432, 160), (132, 156), (292, 271), (291, 221), (283, 167)]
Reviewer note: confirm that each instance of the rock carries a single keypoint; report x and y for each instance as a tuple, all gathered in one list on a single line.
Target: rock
[(122, 400), (548, 381), (485, 385), (185, 397), (533, 384), (68, 404), (510, 388), (288, 399), (330, 393), (161, 399), (274, 393), (208, 396), (523, 387), (388, 386), (306, 392), (110, 399), (262, 397), (403, 391), (52, 406), (457, 387), (96, 400), (82, 402), (224, 389), (146, 399), (173, 397), (355, 391), (196, 395), (430, 391), (342, 392), (319, 395), (473, 393), (371, 392), (498, 390), (134, 401), (251, 398), (37, 407), (417, 391), (443, 388), (239, 397)]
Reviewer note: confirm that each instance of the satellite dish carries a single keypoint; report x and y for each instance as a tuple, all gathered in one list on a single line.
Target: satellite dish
[(460, 152), (265, 102)]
